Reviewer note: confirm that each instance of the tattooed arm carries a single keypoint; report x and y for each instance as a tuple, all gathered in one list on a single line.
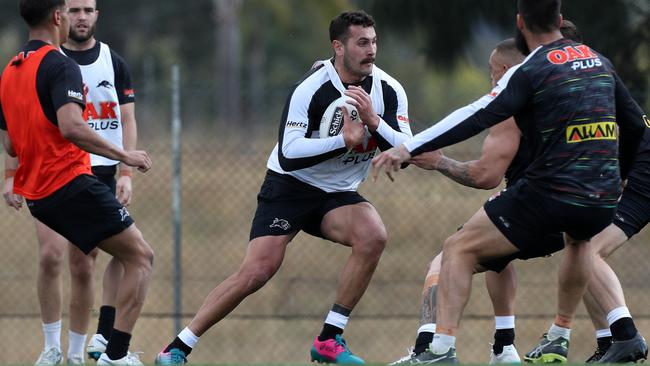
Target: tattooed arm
[(499, 148)]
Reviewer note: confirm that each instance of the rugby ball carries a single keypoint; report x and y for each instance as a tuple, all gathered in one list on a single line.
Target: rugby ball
[(331, 124)]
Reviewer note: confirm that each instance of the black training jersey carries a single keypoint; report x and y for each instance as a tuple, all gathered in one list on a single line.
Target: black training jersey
[(576, 101), (639, 177), (517, 168), (123, 83)]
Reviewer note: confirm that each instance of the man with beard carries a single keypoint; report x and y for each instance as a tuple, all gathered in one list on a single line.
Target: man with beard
[(573, 106), (311, 185), (110, 112)]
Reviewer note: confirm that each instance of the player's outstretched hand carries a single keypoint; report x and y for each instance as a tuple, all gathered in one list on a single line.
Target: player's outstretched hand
[(429, 160), (353, 132), (12, 199), (362, 101), (390, 160), (138, 159)]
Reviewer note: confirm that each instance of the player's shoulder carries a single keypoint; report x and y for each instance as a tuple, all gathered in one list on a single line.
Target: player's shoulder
[(310, 83), (389, 80), (116, 57), (57, 61)]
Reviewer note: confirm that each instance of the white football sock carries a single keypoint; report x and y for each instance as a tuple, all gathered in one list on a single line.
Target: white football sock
[(618, 313), (429, 328), (52, 334), (555, 332), (189, 338), (603, 333), (504, 322), (442, 343), (76, 343), (336, 319)]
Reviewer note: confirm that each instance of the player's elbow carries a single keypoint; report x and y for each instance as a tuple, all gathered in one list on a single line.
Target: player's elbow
[(287, 164), (487, 180), (69, 133)]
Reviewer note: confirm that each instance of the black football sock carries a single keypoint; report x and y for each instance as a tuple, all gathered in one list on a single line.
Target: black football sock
[(422, 342), (329, 330), (118, 345), (106, 321), (604, 343), (503, 337), (623, 329), (177, 343)]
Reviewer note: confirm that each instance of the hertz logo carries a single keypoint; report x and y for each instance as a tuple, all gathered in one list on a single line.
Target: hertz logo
[(591, 131)]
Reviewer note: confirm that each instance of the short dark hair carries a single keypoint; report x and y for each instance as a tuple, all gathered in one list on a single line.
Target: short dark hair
[(36, 11), (540, 16), (339, 27), (508, 48), (570, 31)]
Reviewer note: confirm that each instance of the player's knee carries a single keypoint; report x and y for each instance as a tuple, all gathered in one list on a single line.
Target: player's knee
[(146, 255), (371, 244), (82, 268), (51, 258), (449, 247)]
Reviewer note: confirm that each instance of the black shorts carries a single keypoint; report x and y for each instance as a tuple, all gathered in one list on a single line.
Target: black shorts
[(286, 205), (552, 243), (106, 175), (83, 211), (526, 218), (633, 212)]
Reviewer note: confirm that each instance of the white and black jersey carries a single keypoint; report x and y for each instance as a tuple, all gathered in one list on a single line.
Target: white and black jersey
[(108, 83), (326, 163)]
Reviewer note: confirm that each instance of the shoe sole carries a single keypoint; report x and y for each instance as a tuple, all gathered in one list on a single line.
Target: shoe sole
[(317, 357), (547, 358)]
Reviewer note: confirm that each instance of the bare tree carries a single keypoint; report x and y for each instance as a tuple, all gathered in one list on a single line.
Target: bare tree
[(228, 57)]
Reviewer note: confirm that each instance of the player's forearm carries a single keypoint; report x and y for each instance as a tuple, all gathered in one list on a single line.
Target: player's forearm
[(89, 141), (460, 172), (129, 137)]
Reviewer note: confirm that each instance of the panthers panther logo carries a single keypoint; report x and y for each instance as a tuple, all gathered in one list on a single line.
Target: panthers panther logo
[(105, 84)]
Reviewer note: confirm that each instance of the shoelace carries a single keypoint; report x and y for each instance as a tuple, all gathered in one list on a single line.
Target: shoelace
[(341, 342), (177, 357), (51, 355)]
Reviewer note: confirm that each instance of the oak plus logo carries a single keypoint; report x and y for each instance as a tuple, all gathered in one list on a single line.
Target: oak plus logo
[(591, 131), (581, 57)]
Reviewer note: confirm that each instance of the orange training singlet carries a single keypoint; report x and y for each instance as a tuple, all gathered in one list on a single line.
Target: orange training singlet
[(47, 161)]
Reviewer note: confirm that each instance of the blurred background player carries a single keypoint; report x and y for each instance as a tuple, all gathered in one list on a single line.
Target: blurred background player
[(311, 185), (111, 112), (42, 99), (110, 104)]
